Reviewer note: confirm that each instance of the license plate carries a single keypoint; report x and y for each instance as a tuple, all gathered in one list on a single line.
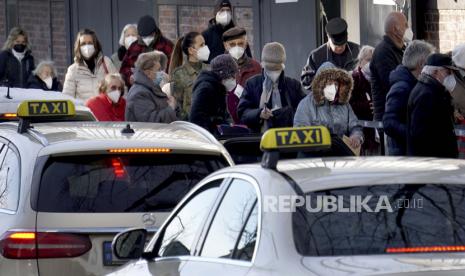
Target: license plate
[(109, 259)]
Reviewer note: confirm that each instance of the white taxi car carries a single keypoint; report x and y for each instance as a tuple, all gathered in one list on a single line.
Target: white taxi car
[(67, 188), (325, 216), (11, 98)]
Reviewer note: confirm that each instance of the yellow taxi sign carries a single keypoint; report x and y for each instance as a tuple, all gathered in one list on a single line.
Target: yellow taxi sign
[(289, 139), (46, 108)]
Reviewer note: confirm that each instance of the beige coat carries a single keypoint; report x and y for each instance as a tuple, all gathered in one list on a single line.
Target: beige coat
[(81, 83)]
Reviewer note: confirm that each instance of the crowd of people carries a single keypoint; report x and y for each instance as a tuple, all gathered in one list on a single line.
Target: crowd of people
[(212, 80)]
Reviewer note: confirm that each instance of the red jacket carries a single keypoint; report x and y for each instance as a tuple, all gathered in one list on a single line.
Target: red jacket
[(105, 110), (247, 69), (162, 44)]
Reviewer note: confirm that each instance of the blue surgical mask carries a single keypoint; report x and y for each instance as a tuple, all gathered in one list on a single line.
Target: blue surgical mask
[(159, 78)]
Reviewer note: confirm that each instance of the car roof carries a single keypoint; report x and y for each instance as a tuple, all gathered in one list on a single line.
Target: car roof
[(337, 172), (19, 95)]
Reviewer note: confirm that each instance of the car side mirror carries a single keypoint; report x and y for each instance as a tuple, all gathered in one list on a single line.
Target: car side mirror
[(129, 245)]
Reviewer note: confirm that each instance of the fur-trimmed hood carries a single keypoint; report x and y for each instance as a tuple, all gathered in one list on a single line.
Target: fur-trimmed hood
[(329, 75)]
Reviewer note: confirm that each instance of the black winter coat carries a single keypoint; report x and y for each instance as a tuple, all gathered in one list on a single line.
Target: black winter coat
[(249, 109), (386, 58), (214, 39), (37, 83), (395, 117), (208, 108), (17, 73), (322, 54), (430, 121)]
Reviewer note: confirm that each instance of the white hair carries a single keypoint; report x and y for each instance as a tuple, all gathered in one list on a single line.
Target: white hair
[(416, 54), (121, 38), (44, 63), (365, 53)]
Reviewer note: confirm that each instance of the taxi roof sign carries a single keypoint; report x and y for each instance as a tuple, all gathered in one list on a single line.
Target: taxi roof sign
[(46, 108), (292, 140)]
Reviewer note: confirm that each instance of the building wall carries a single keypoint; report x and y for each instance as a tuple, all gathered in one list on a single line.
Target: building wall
[(195, 18)]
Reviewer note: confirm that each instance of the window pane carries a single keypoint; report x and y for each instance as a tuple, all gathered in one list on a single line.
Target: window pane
[(415, 216), (246, 245), (9, 181), (121, 183), (179, 235), (229, 220)]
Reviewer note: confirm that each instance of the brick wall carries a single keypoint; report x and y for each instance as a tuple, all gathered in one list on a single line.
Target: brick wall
[(2, 23), (195, 18), (58, 31), (445, 28)]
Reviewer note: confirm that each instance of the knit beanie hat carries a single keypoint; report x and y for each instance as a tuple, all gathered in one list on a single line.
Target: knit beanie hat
[(224, 66), (147, 26), (221, 4), (273, 56)]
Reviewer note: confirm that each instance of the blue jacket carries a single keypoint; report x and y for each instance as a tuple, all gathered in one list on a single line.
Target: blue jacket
[(395, 117), (249, 109)]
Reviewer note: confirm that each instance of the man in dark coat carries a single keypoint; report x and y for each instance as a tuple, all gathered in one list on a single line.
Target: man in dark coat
[(430, 121), (270, 99), (209, 94), (217, 26), (150, 39), (340, 52), (403, 80)]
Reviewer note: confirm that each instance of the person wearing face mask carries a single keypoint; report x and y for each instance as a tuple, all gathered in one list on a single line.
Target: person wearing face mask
[(235, 42), (109, 105), (128, 36), (403, 79), (430, 114), (270, 99), (458, 95), (338, 50), (16, 60), (89, 68), (187, 61), (328, 105), (386, 57), (217, 26), (44, 77), (209, 94), (150, 39), (360, 100), (146, 102)]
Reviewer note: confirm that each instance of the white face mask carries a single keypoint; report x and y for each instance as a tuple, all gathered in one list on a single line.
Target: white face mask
[(223, 18), (129, 40), (408, 35), (366, 71), (449, 83), (87, 51), (203, 53), (236, 52), (229, 84), (148, 40), (330, 92), (49, 82), (114, 95), (273, 75)]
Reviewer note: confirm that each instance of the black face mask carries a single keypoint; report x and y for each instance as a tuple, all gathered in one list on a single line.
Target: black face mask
[(19, 48)]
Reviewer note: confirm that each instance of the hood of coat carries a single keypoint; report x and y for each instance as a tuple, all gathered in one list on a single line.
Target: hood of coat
[(208, 76), (402, 73), (332, 75), (141, 79)]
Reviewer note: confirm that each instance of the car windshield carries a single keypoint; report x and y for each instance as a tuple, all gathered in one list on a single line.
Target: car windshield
[(381, 219), (121, 183)]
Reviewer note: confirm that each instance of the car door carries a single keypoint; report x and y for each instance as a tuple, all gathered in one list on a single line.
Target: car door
[(229, 242), (178, 238)]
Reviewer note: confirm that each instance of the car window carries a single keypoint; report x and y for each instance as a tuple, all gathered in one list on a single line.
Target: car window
[(230, 218), (179, 235), (246, 244), (9, 179), (380, 219), (121, 183)]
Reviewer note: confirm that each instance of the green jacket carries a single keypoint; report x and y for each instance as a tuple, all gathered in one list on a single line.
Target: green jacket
[(183, 79)]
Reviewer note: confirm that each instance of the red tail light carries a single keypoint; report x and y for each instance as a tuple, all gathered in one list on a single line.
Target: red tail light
[(426, 249), (32, 245)]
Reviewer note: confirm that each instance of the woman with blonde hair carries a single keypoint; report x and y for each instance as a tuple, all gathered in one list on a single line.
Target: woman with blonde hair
[(89, 68), (109, 105), (16, 60)]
